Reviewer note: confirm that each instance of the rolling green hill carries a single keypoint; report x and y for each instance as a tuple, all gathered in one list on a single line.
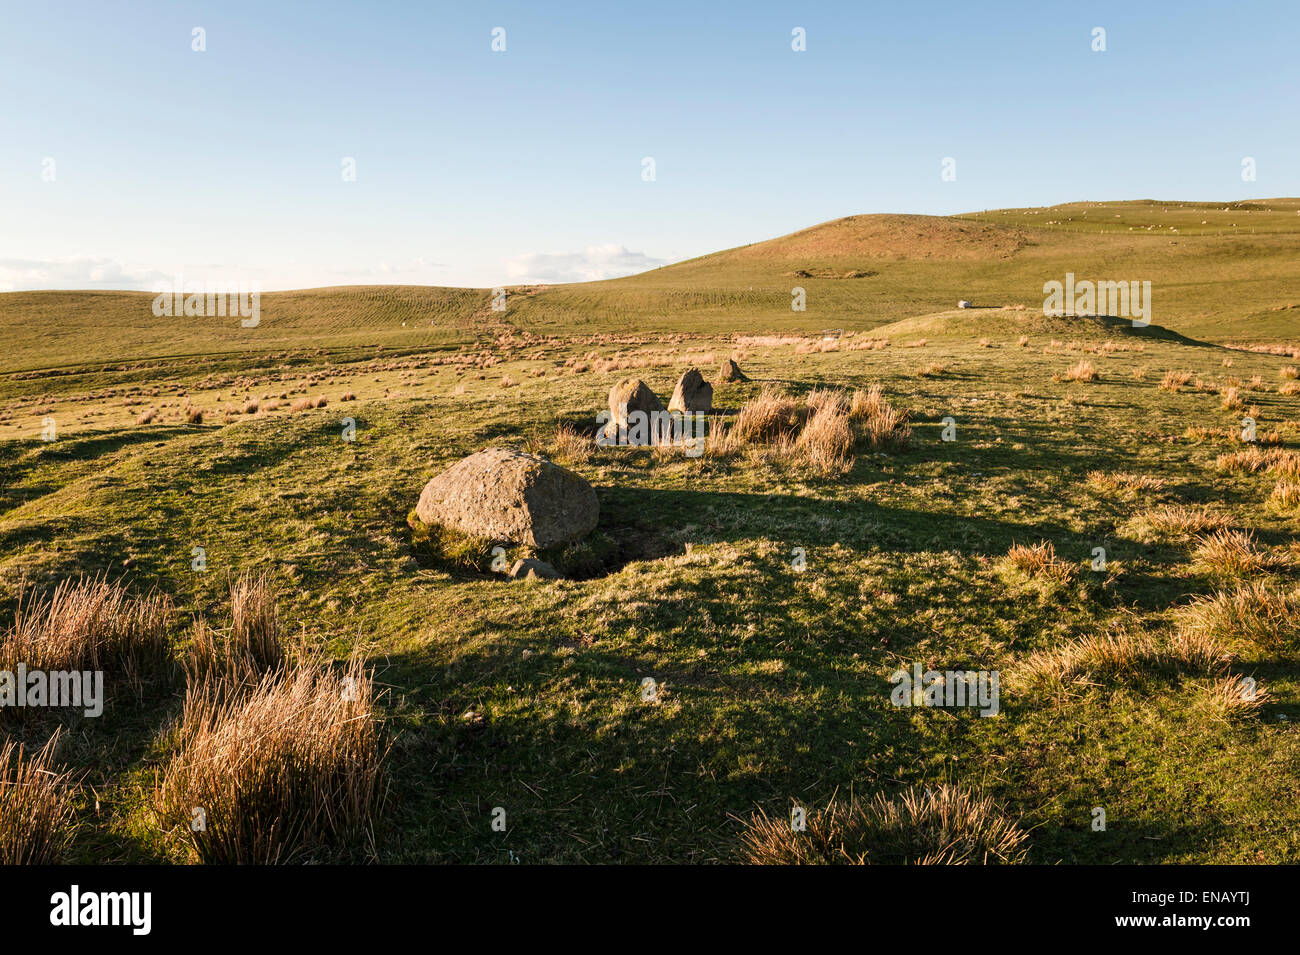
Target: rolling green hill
[(1219, 272)]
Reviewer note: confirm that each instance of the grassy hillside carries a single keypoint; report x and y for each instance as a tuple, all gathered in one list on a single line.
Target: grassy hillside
[(60, 329), (1213, 281), (1236, 277), (526, 695), (1119, 683)]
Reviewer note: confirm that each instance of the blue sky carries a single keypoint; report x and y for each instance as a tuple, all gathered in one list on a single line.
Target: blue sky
[(476, 167)]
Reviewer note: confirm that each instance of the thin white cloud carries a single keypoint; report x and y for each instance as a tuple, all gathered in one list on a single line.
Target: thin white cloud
[(76, 272), (596, 262)]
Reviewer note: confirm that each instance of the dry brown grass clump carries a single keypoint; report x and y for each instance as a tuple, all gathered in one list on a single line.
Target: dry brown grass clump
[(1254, 615), (1175, 521), (194, 415), (1231, 554), (36, 804), (1231, 400), (1255, 459), (825, 443), (306, 404), (1023, 341), (878, 423), (933, 370), (249, 648), (1289, 388), (769, 418), (146, 417), (818, 432), (254, 620), (348, 396), (1038, 561), (286, 770), (1234, 697), (1285, 496), (570, 446), (943, 826), (1249, 460), (1121, 653), (1289, 371), (1117, 481), (250, 407), (90, 624), (1175, 380), (1083, 371)]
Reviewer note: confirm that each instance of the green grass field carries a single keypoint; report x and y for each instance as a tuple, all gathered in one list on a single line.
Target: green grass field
[(773, 681)]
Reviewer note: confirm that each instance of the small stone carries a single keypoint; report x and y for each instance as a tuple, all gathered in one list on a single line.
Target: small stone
[(731, 371), (529, 568)]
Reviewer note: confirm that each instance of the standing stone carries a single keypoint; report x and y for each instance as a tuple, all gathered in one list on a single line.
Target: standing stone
[(626, 398), (692, 394), (731, 371), (505, 495)]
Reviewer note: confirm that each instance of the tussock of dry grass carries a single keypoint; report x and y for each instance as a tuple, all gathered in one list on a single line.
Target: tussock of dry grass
[(90, 624), (1175, 521), (1231, 400), (284, 770), (1285, 496), (825, 443), (146, 417), (934, 369), (770, 417), (1175, 380), (1253, 615), (1038, 561), (36, 803), (943, 826), (1231, 554), (878, 423), (818, 432), (1234, 697), (1083, 371), (249, 648), (1121, 653), (1255, 459), (1289, 371), (1116, 481), (306, 404), (569, 446)]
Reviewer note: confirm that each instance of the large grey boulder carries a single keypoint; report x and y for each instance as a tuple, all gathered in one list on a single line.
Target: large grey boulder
[(692, 394), (505, 495)]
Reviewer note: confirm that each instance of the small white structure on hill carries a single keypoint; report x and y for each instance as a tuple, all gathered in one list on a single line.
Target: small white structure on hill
[(963, 304)]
